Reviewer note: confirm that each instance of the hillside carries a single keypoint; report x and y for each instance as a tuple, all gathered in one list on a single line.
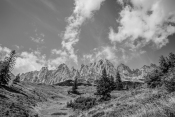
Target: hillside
[(31, 100)]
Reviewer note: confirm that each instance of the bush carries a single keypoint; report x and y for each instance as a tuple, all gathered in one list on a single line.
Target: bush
[(82, 103)]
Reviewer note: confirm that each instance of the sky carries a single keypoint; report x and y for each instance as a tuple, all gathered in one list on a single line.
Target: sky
[(47, 33)]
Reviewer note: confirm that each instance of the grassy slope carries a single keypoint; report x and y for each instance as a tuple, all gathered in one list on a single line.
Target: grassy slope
[(24, 100), (135, 103), (30, 100)]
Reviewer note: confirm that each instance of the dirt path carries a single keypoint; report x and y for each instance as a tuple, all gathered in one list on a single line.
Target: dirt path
[(54, 109)]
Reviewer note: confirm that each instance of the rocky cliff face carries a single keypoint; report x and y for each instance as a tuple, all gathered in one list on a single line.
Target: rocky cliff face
[(46, 76), (86, 73)]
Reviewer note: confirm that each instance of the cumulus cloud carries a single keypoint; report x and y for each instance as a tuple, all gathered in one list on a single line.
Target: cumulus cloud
[(145, 21), (115, 54), (84, 9), (26, 62), (107, 53), (34, 60)]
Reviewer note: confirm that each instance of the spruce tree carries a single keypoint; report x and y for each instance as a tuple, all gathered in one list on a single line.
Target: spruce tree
[(164, 64), (119, 85), (7, 67), (112, 83), (104, 86), (75, 87)]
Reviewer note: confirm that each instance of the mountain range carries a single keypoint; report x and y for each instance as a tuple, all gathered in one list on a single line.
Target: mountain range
[(87, 73)]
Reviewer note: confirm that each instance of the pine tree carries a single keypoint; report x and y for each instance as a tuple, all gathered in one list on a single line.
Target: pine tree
[(17, 79), (112, 83), (164, 64), (7, 67), (75, 87), (171, 60), (118, 81), (104, 86)]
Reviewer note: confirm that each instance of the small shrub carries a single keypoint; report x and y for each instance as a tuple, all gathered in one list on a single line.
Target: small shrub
[(99, 114), (82, 103)]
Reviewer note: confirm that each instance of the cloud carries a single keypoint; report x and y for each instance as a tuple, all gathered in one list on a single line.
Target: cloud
[(4, 51), (106, 52), (34, 60), (29, 61), (39, 38), (115, 54), (49, 4), (143, 22), (84, 9)]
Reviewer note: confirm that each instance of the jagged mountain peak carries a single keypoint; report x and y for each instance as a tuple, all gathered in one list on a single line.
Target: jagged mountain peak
[(62, 66), (86, 73)]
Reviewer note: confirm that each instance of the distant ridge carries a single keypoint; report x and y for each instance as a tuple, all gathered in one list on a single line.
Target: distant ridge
[(86, 74)]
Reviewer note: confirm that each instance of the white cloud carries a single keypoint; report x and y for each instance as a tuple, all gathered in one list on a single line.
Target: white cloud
[(32, 61), (84, 9), (49, 4), (114, 54), (4, 51), (146, 20), (53, 63), (26, 62), (106, 52), (37, 40)]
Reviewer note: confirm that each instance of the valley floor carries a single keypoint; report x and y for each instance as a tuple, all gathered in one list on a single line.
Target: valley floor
[(31, 100)]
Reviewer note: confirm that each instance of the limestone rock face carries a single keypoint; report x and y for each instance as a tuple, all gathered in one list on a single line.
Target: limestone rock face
[(46, 76), (87, 73)]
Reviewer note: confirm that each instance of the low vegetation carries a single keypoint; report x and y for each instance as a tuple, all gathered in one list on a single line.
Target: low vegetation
[(82, 103)]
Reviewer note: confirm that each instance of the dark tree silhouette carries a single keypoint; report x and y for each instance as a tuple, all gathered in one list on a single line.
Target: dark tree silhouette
[(164, 65), (119, 85), (7, 67), (171, 60), (112, 83), (104, 86), (75, 87)]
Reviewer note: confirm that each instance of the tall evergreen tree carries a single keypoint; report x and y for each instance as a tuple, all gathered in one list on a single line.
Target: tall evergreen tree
[(171, 60), (104, 86), (163, 64), (112, 83), (119, 85), (75, 87), (7, 67)]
